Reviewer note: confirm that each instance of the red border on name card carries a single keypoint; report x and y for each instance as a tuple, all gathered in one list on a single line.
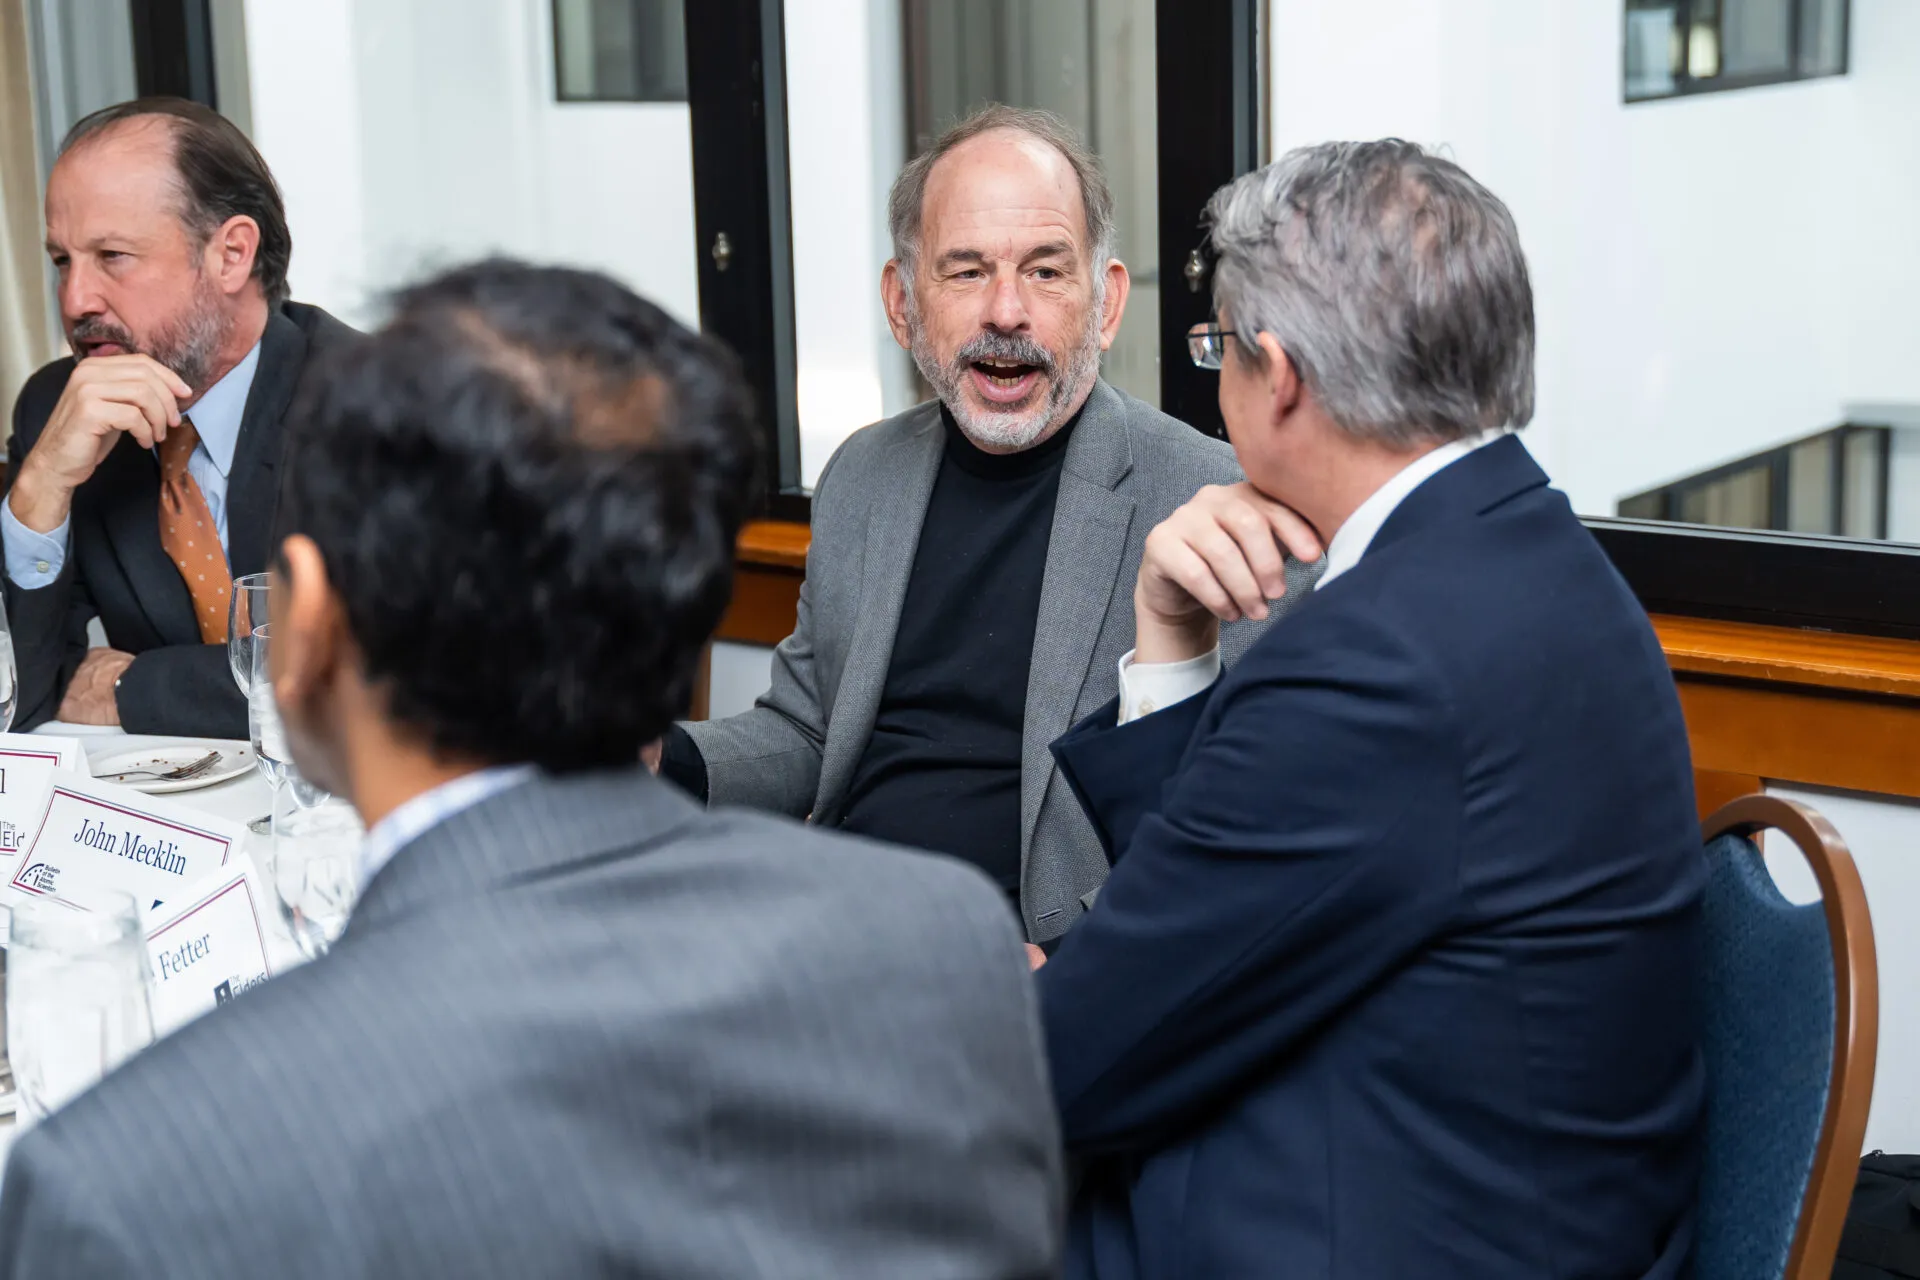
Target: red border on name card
[(26, 857), (238, 882)]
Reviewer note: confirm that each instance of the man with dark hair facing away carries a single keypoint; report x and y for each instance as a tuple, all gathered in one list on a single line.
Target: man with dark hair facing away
[(577, 1025)]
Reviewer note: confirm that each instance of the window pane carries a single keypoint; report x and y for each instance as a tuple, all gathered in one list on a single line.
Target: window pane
[(1864, 457), (846, 138), (620, 50), (1739, 501), (1823, 49), (442, 141), (1810, 486), (1653, 50), (1703, 40), (1756, 37)]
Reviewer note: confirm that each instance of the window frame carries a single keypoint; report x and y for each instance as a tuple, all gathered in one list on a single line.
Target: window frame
[(1688, 86)]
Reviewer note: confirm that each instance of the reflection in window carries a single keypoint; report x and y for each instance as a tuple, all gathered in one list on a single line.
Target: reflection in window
[(620, 50), (1832, 483), (1678, 47)]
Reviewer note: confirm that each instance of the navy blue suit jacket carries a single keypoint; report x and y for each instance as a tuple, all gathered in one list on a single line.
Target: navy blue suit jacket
[(1394, 973)]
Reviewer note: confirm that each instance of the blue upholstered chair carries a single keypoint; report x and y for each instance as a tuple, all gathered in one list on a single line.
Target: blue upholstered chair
[(1790, 1003)]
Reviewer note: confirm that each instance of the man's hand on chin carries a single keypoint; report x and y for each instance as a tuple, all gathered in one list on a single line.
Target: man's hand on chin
[(90, 695), (1219, 558)]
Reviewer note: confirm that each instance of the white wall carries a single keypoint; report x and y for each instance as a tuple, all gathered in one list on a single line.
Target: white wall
[(1712, 275), (1884, 835), (412, 134)]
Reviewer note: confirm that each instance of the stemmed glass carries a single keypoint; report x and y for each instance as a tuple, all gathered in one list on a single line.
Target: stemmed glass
[(315, 836), (9, 684), (263, 716), (76, 994), (246, 612)]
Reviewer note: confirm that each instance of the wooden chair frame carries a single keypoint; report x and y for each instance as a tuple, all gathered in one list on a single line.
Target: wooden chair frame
[(1856, 1018)]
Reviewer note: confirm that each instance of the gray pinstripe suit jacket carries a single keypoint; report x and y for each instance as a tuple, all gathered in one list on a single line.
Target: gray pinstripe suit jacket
[(587, 1029), (1126, 469)]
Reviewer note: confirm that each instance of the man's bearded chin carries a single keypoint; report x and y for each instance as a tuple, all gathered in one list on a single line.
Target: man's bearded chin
[(1018, 426), (188, 344)]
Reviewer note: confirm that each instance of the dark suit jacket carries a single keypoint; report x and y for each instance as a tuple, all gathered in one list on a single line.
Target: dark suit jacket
[(117, 570), (587, 1028), (1394, 972)]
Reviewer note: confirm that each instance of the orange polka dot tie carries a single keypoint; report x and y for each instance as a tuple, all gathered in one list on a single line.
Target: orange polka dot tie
[(188, 534)]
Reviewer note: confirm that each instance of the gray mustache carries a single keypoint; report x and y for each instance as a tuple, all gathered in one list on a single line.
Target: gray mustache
[(101, 331), (1008, 347)]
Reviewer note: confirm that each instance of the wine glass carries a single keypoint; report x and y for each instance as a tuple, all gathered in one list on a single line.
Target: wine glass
[(246, 611), (315, 864), (9, 682), (263, 717), (76, 993)]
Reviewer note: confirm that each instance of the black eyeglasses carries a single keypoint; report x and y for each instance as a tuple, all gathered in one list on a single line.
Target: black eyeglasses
[(1207, 344)]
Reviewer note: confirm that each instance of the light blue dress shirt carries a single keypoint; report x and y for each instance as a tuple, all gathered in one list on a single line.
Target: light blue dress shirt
[(431, 808), (35, 559)]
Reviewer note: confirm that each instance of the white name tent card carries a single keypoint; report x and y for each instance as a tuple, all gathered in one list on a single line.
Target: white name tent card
[(27, 765), (207, 946), (113, 837)]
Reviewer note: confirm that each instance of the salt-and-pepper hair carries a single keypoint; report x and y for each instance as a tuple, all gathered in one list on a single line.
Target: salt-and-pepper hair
[(1393, 281), (906, 203)]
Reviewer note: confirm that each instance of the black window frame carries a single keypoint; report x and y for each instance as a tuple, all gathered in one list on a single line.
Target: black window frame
[(173, 49), (1686, 85), (1208, 132)]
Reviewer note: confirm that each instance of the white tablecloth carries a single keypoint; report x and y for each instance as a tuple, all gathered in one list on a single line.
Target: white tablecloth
[(238, 800)]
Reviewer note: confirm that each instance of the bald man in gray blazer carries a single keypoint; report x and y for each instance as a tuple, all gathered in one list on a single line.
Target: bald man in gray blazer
[(968, 592)]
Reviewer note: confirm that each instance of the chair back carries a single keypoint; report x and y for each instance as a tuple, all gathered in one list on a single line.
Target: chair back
[(1790, 1009)]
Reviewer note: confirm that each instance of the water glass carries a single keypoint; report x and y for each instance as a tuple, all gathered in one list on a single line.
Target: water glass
[(246, 613), (9, 682), (315, 864), (76, 994), (263, 717)]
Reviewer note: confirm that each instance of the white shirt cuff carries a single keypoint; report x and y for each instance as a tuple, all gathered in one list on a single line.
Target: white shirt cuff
[(1147, 687), (34, 559)]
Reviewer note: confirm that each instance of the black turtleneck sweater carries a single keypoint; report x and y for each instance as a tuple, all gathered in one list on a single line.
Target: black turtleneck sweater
[(942, 769)]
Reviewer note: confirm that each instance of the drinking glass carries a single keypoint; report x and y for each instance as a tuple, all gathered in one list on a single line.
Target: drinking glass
[(246, 612), (76, 994), (263, 717), (315, 864), (9, 685)]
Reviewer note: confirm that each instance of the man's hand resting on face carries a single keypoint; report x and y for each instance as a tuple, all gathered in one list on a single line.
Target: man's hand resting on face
[(106, 397), (1219, 558)]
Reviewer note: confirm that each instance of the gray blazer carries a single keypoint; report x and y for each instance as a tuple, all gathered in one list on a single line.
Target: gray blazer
[(587, 1029), (1127, 467)]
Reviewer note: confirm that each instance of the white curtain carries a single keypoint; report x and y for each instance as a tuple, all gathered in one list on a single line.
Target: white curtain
[(25, 340)]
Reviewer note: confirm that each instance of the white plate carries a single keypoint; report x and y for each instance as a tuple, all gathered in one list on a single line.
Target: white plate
[(235, 759)]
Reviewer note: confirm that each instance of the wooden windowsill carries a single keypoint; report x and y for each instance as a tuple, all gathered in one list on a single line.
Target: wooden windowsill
[(775, 544), (1786, 656)]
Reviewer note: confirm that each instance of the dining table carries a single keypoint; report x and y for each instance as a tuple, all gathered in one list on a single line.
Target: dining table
[(246, 799)]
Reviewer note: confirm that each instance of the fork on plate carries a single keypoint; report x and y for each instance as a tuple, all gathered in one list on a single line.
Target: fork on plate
[(179, 773)]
